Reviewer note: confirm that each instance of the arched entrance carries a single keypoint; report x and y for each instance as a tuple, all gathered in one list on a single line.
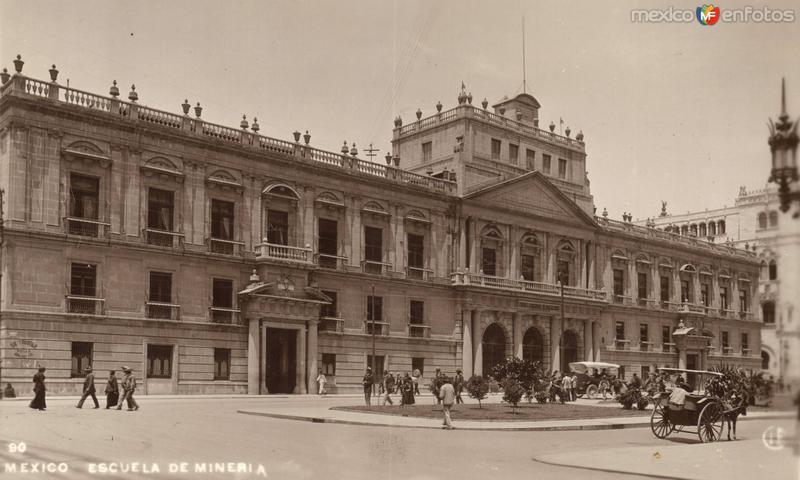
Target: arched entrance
[(532, 345), (569, 349), (494, 347), (764, 360)]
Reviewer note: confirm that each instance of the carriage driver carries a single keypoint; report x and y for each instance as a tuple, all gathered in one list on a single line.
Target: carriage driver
[(678, 390)]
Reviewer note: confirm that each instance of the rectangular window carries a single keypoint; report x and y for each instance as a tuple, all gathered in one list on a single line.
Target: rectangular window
[(81, 358), (528, 265), (330, 310), (427, 152), (744, 301), (160, 209), (723, 298), (373, 249), (664, 287), (704, 294), (418, 363), (222, 364), (530, 159), (374, 314), (83, 280), (377, 367), (641, 285), (329, 364), (745, 344), (644, 337), (546, 164), (495, 149), (489, 261), (666, 335), (160, 287), (222, 298), (328, 242), (222, 219), (513, 154), (725, 341), (563, 272), (84, 201), (416, 312), (159, 361), (619, 284), (620, 331), (277, 227), (685, 293), (562, 168), (416, 255)]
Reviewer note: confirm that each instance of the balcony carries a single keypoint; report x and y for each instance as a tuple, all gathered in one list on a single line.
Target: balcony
[(645, 346), (227, 316), (621, 344), (332, 262), (375, 268), (162, 238), (726, 350), (85, 227), (744, 315), (418, 330), (623, 299), (331, 324), (488, 281), (419, 273), (224, 247), (162, 311), (667, 347), (85, 305), (380, 328), (285, 253)]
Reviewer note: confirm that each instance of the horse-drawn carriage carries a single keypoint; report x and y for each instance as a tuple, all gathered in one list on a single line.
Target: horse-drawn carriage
[(590, 383), (702, 413)]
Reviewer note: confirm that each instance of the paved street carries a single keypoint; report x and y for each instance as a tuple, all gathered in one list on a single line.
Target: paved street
[(209, 430)]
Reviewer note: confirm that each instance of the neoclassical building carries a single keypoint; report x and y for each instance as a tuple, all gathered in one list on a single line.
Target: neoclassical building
[(213, 259)]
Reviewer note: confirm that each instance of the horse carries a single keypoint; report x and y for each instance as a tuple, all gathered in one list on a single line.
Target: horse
[(732, 412)]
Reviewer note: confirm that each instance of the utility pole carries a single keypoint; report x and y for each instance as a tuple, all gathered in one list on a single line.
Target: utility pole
[(371, 151), (374, 360), (561, 338)]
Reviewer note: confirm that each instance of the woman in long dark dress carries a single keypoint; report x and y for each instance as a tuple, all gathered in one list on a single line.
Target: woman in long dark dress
[(407, 390), (38, 401)]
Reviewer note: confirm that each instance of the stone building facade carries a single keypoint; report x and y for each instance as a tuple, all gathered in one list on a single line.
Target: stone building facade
[(217, 260)]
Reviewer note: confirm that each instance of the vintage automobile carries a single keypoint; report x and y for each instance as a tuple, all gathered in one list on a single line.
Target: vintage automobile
[(590, 383), (701, 414)]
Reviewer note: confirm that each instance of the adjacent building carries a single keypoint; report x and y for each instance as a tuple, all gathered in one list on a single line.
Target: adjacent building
[(213, 259)]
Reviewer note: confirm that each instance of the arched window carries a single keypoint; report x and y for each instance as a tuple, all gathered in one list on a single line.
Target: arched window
[(569, 349), (762, 220), (721, 227), (712, 228), (703, 231), (773, 270), (764, 360), (693, 230), (768, 312), (773, 218), (494, 347), (565, 260), (685, 230), (532, 345)]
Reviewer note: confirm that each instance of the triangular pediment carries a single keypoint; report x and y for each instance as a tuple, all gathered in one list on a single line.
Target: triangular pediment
[(279, 290), (531, 194)]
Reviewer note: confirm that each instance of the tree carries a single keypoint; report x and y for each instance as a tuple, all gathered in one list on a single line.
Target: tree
[(477, 388), (526, 372), (512, 392)]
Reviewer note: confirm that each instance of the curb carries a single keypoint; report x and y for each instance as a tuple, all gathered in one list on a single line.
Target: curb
[(555, 428)]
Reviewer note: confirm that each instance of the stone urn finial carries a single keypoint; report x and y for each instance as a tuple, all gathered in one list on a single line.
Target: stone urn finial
[(132, 95), (398, 122), (396, 160), (605, 212), (198, 110), (307, 137), (485, 103), (502, 110), (388, 158), (439, 106), (419, 114), (552, 127), (344, 149), (114, 90), (244, 124), (296, 135), (254, 278), (186, 106), (469, 98), (255, 126), (53, 73), (568, 131), (5, 76), (18, 63), (354, 151), (579, 136)]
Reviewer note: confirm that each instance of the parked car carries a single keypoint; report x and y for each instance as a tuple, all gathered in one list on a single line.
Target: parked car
[(590, 378)]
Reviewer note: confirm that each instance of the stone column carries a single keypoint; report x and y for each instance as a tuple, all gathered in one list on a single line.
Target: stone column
[(655, 281), (300, 373), (516, 322), (312, 356), (253, 357), (555, 343), (513, 254), (592, 274), (633, 280), (588, 342), (682, 358), (477, 343), (462, 250), (696, 288), (309, 227), (715, 291), (474, 261), (466, 338), (596, 341)]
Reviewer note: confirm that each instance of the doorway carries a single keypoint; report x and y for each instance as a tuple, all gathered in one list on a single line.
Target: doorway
[(281, 360), (692, 364)]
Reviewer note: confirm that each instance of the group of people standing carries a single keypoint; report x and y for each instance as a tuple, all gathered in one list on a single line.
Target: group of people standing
[(128, 384)]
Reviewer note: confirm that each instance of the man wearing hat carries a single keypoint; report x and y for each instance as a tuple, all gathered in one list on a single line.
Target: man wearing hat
[(128, 387), (367, 382), (88, 389)]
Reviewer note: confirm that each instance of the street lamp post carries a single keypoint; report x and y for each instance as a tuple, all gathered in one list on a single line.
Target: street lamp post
[(374, 360), (783, 141), (2, 240), (561, 337)]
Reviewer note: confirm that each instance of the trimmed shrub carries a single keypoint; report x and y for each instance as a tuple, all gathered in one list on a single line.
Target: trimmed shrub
[(477, 387)]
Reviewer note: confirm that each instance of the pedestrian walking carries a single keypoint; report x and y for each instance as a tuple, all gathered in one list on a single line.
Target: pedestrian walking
[(447, 395), (112, 390), (415, 376), (88, 389), (436, 384), (458, 385), (367, 383), (38, 402), (407, 391), (321, 380), (128, 389), (574, 386), (566, 386), (388, 388)]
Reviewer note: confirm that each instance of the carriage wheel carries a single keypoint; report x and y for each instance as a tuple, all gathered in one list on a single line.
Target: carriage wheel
[(659, 422), (591, 391), (604, 387), (709, 422)]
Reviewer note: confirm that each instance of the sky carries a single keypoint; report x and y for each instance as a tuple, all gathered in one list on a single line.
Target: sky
[(670, 111)]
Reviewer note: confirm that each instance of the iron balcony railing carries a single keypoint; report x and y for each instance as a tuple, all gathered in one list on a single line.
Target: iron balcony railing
[(488, 281), (86, 305)]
